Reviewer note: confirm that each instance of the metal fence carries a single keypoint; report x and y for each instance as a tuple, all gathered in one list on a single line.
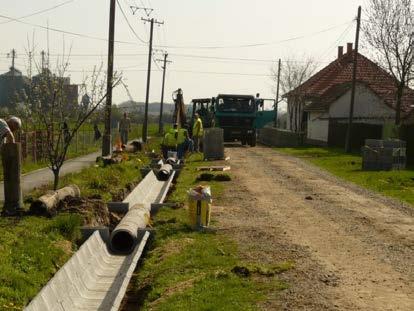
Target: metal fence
[(34, 144)]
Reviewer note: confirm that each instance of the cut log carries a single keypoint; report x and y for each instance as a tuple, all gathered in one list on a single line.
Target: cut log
[(47, 203)]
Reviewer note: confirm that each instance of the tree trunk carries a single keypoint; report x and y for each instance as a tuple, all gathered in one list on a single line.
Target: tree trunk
[(56, 173)]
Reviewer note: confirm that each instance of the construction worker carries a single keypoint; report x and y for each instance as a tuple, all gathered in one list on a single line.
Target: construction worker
[(124, 128), (197, 132), (182, 134), (169, 142)]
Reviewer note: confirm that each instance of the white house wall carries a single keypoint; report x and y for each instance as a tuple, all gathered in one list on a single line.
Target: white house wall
[(318, 126), (367, 105)]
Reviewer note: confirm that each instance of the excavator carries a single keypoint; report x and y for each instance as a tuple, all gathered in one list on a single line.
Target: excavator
[(179, 116)]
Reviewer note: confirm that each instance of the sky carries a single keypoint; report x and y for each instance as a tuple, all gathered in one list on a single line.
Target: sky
[(208, 41)]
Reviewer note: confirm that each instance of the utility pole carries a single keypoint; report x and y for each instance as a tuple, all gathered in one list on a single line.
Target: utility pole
[(279, 68), (106, 139), (161, 124), (13, 56), (43, 60), (348, 145), (145, 124)]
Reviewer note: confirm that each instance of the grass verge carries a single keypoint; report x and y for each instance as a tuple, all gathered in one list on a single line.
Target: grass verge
[(188, 270), (32, 248), (396, 184)]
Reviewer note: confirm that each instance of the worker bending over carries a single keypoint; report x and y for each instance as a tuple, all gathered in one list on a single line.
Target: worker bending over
[(7, 128), (169, 142)]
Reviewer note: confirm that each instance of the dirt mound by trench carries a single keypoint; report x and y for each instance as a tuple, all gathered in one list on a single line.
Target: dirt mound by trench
[(93, 211)]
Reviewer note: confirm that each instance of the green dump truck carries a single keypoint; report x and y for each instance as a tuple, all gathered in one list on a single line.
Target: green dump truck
[(240, 116)]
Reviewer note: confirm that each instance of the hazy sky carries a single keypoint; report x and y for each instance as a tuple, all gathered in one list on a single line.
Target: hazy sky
[(192, 29)]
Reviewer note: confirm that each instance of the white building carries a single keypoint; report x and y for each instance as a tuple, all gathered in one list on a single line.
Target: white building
[(321, 105)]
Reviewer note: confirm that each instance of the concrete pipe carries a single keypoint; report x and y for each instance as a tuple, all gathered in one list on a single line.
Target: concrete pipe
[(134, 146), (48, 202), (164, 172), (125, 236), (171, 161)]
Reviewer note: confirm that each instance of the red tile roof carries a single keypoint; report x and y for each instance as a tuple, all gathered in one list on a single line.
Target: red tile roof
[(335, 80)]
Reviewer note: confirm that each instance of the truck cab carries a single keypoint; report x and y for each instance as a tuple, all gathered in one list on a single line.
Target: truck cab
[(240, 116)]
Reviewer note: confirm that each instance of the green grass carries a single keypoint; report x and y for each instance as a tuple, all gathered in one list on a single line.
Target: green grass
[(32, 249), (189, 270), (396, 184)]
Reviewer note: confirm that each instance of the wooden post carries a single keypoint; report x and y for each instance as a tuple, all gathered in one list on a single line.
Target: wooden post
[(11, 158), (34, 147), (348, 142)]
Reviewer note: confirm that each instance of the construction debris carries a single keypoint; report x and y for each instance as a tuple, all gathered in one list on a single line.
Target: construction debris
[(49, 202), (214, 168)]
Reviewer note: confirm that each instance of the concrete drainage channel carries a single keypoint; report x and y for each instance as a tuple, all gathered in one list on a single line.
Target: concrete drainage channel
[(97, 275)]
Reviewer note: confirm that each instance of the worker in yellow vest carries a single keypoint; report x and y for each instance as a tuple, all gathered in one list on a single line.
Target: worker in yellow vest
[(197, 132), (169, 142), (182, 136)]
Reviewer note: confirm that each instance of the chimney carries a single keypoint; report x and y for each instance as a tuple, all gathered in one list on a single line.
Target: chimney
[(349, 48), (340, 51)]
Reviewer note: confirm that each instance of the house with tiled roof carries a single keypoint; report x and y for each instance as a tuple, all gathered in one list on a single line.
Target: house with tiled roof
[(321, 104)]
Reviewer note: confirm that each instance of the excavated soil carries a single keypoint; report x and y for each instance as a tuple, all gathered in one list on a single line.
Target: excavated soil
[(352, 249)]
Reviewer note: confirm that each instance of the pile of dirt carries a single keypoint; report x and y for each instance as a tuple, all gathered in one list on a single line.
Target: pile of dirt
[(93, 210)]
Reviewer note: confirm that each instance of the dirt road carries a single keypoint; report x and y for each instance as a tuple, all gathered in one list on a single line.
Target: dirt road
[(353, 250)]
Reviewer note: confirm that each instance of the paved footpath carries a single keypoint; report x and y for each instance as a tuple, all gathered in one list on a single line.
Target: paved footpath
[(45, 176)]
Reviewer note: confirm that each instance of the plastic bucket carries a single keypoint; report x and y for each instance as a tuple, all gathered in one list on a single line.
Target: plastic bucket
[(199, 207)]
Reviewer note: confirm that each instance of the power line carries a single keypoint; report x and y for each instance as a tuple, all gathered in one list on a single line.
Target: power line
[(40, 12), (175, 47), (222, 73), (133, 55), (62, 31), (257, 44), (336, 42), (129, 24)]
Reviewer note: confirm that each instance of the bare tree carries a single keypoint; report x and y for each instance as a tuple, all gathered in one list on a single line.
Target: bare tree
[(58, 113), (389, 30), (293, 74)]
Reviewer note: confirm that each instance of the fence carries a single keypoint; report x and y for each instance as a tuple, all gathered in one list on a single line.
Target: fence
[(34, 144), (279, 138)]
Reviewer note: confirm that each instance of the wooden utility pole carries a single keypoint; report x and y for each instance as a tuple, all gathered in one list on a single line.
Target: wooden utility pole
[(161, 124), (106, 139), (277, 89), (145, 124), (348, 142), (13, 56), (43, 60)]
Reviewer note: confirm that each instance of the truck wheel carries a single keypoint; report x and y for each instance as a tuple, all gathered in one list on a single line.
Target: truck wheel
[(253, 141), (243, 142)]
